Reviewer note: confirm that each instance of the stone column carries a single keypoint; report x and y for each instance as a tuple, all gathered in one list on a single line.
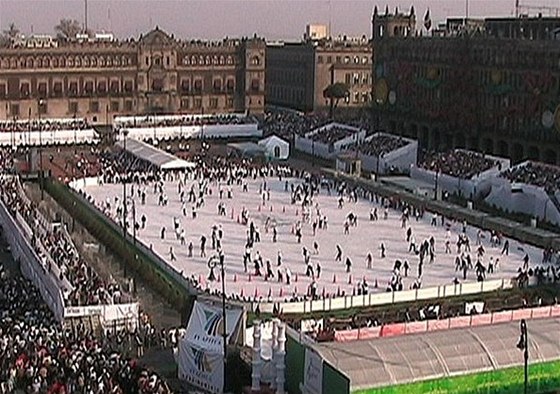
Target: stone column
[(256, 359), (280, 359)]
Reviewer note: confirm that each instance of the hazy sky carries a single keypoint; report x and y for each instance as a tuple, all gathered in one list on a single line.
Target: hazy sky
[(272, 19)]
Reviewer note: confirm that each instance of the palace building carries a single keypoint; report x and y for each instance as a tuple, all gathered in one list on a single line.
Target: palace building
[(156, 74), (493, 89)]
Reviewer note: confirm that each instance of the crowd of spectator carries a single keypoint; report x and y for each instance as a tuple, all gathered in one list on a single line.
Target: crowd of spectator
[(37, 355), (187, 120), (287, 123), (377, 146), (537, 174), (43, 125), (458, 163), (80, 284), (332, 134)]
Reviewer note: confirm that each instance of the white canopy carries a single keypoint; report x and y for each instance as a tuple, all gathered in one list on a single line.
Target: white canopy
[(155, 156)]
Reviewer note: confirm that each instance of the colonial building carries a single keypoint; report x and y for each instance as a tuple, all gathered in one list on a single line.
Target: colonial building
[(481, 91), (298, 73), (157, 73)]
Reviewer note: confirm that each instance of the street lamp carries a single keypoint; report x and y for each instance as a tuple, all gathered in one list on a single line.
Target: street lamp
[(133, 203), (212, 262), (125, 133), (39, 106), (523, 346)]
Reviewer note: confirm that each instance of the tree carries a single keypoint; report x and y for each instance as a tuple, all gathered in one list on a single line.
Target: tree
[(334, 93), (67, 29)]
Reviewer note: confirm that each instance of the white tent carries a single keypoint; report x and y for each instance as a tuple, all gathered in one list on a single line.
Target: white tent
[(155, 156), (275, 147)]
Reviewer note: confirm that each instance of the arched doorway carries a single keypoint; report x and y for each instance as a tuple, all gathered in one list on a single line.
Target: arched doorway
[(503, 149), (517, 154), (549, 156), (533, 153), (460, 140), (487, 146), (277, 152)]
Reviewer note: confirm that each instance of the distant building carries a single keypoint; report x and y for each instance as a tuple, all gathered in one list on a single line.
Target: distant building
[(297, 73), (99, 78), (524, 27), (316, 32), (495, 92)]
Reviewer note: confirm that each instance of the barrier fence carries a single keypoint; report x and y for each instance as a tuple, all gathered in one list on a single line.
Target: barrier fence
[(396, 329), (385, 298)]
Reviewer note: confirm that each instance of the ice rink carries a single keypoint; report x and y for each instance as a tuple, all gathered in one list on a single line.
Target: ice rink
[(365, 237)]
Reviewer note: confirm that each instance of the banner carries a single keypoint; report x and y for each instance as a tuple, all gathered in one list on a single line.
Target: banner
[(200, 367), (313, 372), (206, 325)]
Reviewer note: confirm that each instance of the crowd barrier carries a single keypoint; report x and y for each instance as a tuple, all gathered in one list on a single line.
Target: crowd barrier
[(385, 298), (416, 327), (109, 315)]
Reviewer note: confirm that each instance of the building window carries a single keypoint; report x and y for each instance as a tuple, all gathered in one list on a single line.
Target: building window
[(2, 90), (94, 106), (101, 87), (213, 103), (88, 87), (128, 86), (329, 59), (147, 61), (57, 89), (320, 59), (157, 85), (14, 110), (346, 59), (73, 107), (114, 86), (356, 60), (42, 89), (356, 78), (114, 106), (198, 85), (217, 85), (230, 85), (255, 85), (348, 78), (229, 102), (73, 89), (364, 60), (185, 85), (198, 103), (24, 89), (338, 59), (357, 97), (128, 105), (185, 103), (255, 61)]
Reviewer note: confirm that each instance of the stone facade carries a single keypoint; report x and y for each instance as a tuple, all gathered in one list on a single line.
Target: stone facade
[(496, 95), (298, 73), (155, 74)]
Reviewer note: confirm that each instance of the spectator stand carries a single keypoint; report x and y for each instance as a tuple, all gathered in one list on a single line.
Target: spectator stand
[(460, 172), (531, 188), (383, 153), (169, 127), (327, 141), (47, 132), (52, 263)]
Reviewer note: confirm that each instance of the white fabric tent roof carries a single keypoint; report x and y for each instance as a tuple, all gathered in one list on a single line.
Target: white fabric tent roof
[(273, 138), (155, 156), (432, 355)]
